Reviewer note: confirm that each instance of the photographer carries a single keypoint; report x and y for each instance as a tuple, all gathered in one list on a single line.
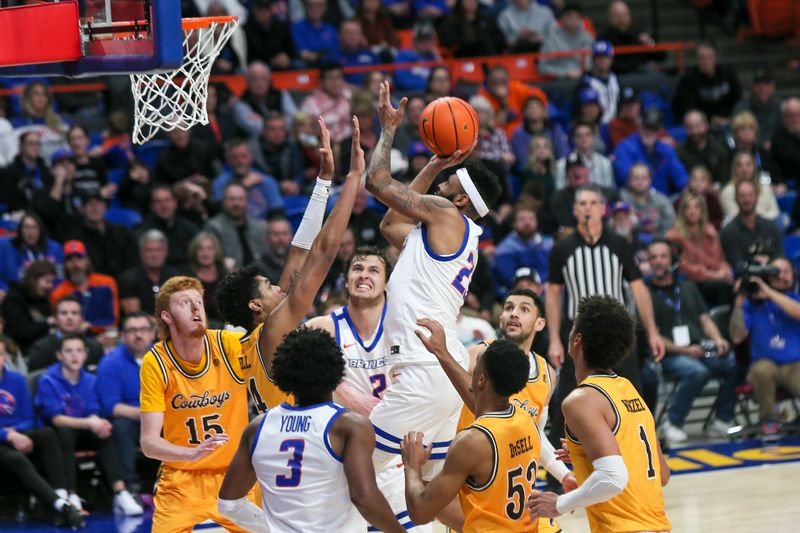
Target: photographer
[(770, 314), (695, 348)]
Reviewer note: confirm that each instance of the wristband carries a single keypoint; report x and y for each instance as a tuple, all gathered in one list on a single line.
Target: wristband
[(313, 215)]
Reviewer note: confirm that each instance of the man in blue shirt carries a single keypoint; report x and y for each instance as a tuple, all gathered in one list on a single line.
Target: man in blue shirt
[(416, 78), (669, 174), (771, 316), (523, 247), (263, 192), (118, 389), (314, 40), (354, 51)]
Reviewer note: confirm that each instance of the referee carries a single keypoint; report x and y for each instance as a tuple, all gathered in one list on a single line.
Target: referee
[(589, 262)]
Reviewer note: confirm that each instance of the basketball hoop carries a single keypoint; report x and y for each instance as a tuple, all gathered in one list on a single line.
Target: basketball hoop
[(177, 98)]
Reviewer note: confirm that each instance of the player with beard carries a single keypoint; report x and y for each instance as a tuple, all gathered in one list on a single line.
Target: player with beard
[(522, 318), (192, 398)]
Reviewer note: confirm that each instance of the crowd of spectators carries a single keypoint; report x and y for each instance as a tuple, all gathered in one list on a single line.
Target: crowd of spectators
[(690, 205)]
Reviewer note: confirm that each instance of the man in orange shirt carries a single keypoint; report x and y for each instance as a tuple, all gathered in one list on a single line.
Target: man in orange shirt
[(508, 97), (97, 293)]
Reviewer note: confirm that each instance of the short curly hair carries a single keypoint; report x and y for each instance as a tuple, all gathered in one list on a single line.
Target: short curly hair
[(506, 366), (234, 292), (607, 329), (308, 363)]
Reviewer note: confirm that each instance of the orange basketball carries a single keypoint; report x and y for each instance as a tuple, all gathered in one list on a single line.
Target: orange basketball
[(448, 124)]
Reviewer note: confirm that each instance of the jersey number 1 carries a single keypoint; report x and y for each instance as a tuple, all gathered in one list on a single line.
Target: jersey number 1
[(651, 471), (295, 464)]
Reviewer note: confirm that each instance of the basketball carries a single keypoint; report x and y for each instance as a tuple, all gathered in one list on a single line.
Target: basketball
[(448, 124)]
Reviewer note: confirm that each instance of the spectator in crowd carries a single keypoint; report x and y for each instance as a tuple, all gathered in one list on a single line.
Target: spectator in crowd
[(305, 143), (365, 221), (538, 175), (316, 41), (220, 125), (118, 390), (621, 32), (97, 293), (440, 84), (9, 142), (207, 263), (623, 222), (764, 104), (744, 137), (377, 25), (669, 175), (279, 241), (700, 148), (22, 443), (786, 142), (135, 187), (748, 227), (364, 110), (701, 260), (242, 237), (184, 158), (139, 285), (408, 132), (629, 116), (29, 245), (770, 316), (653, 209), (335, 281), (26, 308), (164, 217), (26, 183), (66, 398), (509, 97), (268, 37), (263, 192), (700, 183), (468, 33), (569, 35), (433, 10), (525, 25), (90, 172), (67, 319), (472, 330), (259, 98), (602, 79), (354, 51), (743, 168), (685, 327), (524, 246), (331, 101), (63, 199), (424, 50), (589, 109), (274, 153), (600, 170), (116, 147), (482, 293), (418, 156), (709, 87), (535, 121), (39, 115), (108, 245), (493, 145)]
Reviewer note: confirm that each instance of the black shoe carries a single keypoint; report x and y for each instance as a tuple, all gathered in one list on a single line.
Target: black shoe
[(70, 517)]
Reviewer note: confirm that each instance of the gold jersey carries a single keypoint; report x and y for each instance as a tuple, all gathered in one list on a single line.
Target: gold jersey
[(264, 393), (197, 400), (499, 504), (640, 507)]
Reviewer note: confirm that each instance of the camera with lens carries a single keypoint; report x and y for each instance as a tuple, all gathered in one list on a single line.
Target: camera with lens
[(709, 348), (751, 270)]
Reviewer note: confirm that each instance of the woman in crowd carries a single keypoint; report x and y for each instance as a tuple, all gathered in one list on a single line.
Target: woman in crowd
[(744, 168), (207, 263), (744, 138), (538, 176), (377, 25), (536, 121), (469, 33), (27, 306), (38, 115), (30, 244), (700, 183), (702, 259)]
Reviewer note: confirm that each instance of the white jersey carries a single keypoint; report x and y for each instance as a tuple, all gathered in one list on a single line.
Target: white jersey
[(365, 361), (303, 485), (424, 284)]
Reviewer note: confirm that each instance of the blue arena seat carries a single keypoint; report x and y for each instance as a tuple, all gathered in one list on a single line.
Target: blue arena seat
[(791, 247), (148, 152), (786, 202), (123, 216)]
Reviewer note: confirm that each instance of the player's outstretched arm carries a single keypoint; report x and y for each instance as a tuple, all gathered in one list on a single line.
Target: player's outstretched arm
[(359, 443), (423, 501), (313, 215), (398, 195), (287, 315), (239, 479)]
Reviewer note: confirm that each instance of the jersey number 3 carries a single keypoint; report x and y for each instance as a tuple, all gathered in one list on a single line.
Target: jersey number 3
[(295, 463), (462, 279)]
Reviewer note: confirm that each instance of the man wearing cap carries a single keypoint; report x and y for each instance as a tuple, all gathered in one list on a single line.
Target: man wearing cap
[(569, 36), (601, 173), (763, 103), (629, 115), (416, 78), (524, 246), (668, 173), (525, 24), (601, 79), (97, 293), (701, 149)]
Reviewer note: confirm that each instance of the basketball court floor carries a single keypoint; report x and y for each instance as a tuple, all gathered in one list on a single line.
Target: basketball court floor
[(715, 488)]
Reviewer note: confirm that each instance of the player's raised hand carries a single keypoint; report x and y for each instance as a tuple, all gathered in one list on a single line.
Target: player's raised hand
[(438, 163), (414, 452), (543, 505), (569, 483), (208, 446), (391, 118), (358, 164), (436, 343), (325, 152), (562, 454)]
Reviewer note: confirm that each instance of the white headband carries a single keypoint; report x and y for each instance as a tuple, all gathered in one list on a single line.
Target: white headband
[(472, 191)]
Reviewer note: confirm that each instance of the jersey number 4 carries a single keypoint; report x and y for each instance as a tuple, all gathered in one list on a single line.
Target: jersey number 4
[(294, 464), (464, 276), (517, 495)]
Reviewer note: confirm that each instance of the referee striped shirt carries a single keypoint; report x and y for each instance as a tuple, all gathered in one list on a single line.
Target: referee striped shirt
[(592, 269)]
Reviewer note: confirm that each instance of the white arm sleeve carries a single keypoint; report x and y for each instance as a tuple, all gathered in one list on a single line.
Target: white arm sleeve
[(609, 478), (244, 514), (313, 215), (548, 457)]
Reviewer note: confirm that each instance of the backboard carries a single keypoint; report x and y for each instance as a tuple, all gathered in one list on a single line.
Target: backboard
[(90, 37)]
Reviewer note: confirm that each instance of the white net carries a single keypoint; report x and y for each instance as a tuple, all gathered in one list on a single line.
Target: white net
[(177, 99)]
